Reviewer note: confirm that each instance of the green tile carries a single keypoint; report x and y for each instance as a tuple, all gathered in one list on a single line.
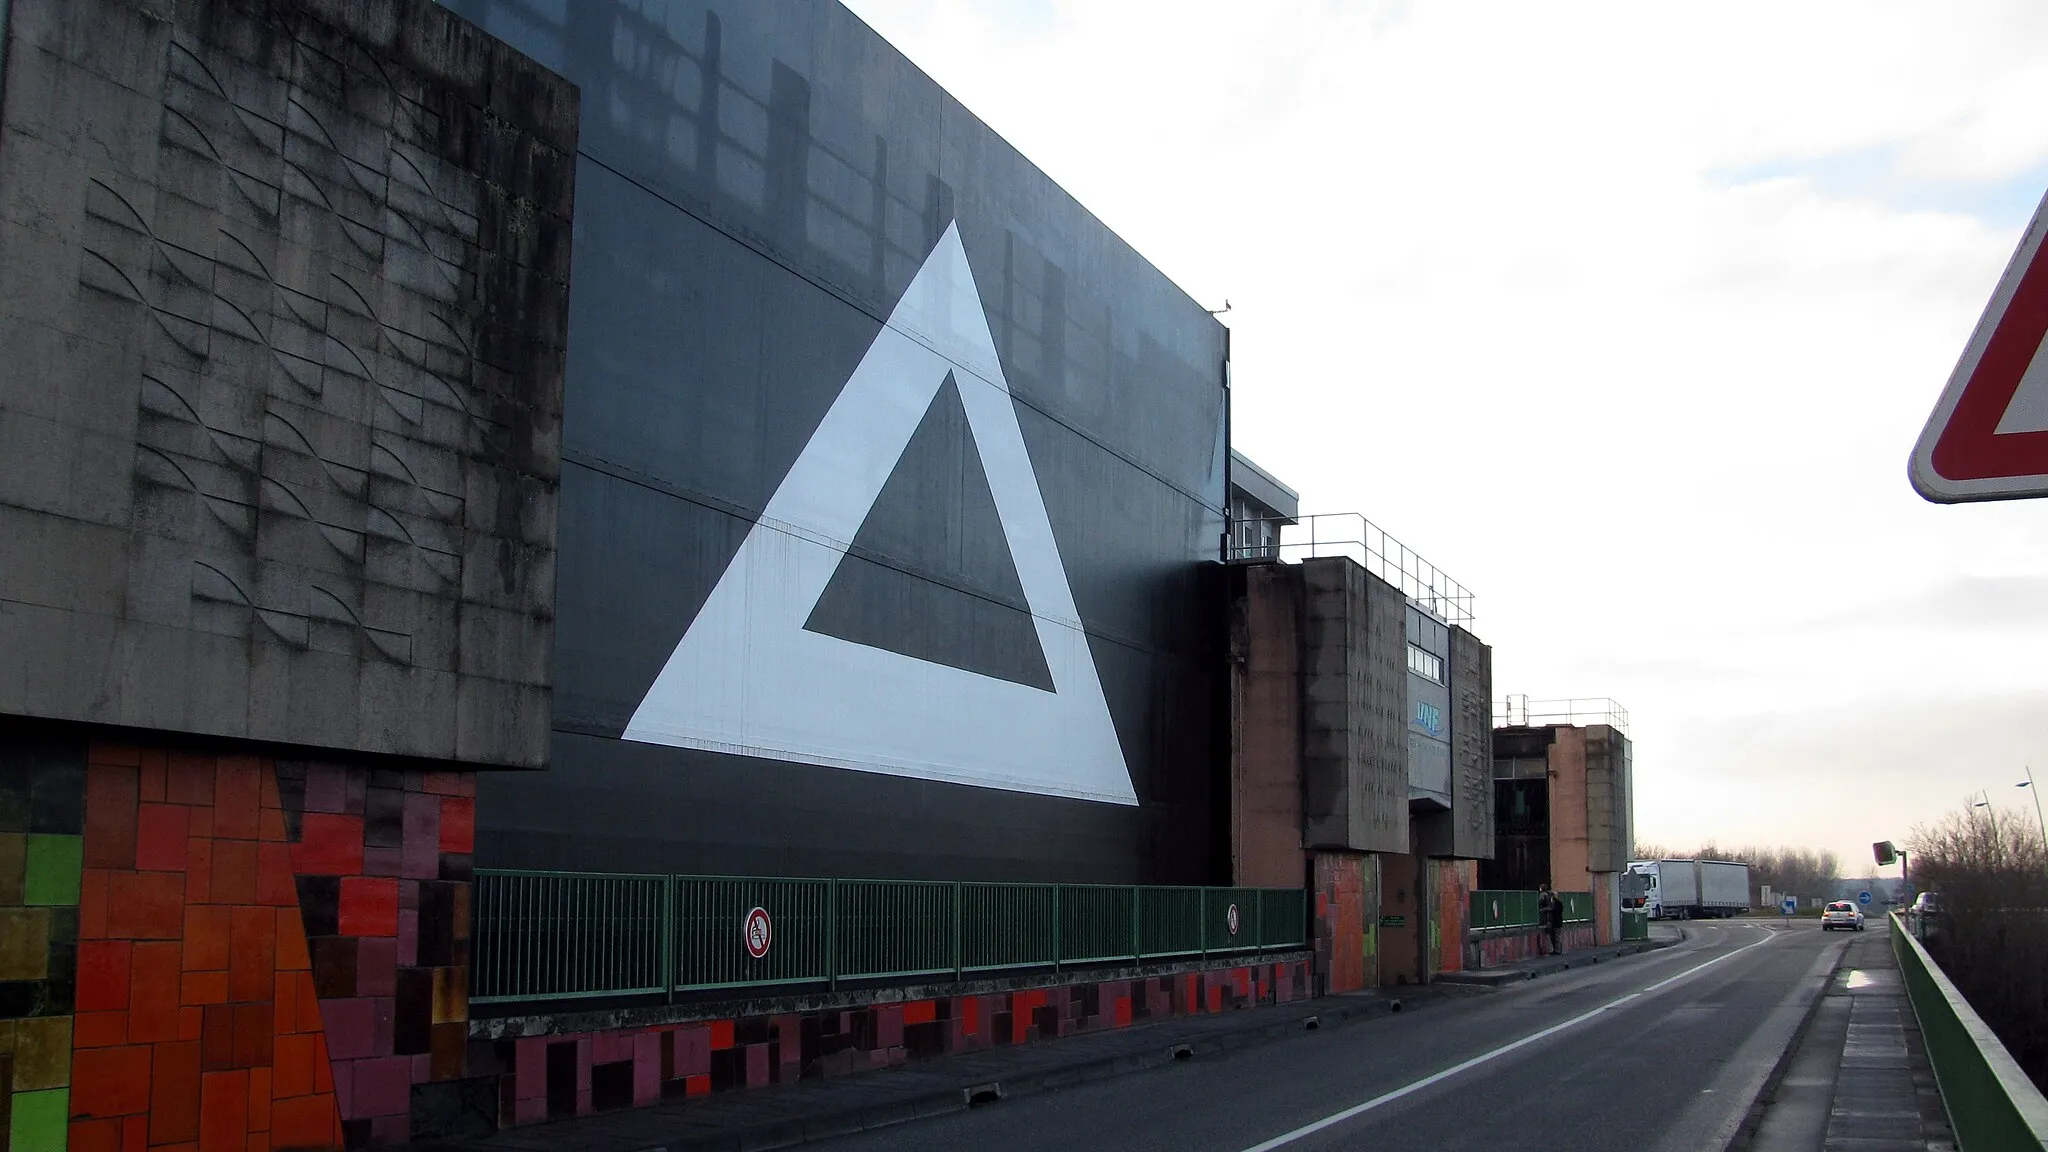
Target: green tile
[(24, 943), (54, 866), (41, 1121), (13, 859)]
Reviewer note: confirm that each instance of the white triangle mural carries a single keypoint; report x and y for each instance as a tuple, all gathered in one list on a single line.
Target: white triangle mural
[(747, 679)]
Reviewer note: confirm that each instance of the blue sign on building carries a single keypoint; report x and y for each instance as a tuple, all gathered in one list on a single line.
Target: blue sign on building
[(1429, 718)]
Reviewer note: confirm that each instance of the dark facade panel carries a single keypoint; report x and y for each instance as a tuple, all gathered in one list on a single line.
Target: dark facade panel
[(780, 601), (1466, 830), (283, 298)]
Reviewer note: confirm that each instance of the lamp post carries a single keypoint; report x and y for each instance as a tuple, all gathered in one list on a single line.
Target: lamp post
[(2043, 821)]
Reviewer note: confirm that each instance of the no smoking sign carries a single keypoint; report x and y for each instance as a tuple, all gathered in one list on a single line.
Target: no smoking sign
[(757, 931)]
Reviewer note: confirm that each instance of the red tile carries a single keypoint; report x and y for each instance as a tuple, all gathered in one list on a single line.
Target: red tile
[(258, 1141), (234, 872), (109, 1081), (150, 772), (94, 1136), (160, 831), (202, 821), (252, 952), (329, 845), (284, 1000), (206, 938), (174, 1094), (291, 1062), (223, 1111), (203, 988), (255, 1028), (189, 779), (269, 799), (697, 1086), (110, 805), (92, 904), (274, 887), (920, 1012), (126, 755), (99, 1029), (307, 1015), (304, 1122), (237, 797), (199, 870), (270, 826), (458, 824), (102, 975), (191, 1022), (323, 1064), (291, 941), (721, 1034), (369, 906), (134, 1133), (259, 1100), (217, 1038), (145, 905), (153, 1002)]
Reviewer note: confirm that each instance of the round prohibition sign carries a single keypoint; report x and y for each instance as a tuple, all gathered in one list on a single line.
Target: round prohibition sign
[(757, 931), (1230, 918)]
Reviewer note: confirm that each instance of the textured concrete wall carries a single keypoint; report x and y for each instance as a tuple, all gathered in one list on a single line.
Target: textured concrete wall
[(1355, 692), (1609, 807), (1568, 844), (283, 289), (1466, 831), (1265, 762)]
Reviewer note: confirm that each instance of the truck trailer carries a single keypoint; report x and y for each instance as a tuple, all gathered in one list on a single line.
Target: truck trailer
[(1692, 889)]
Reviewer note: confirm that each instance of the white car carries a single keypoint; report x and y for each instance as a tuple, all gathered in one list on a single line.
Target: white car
[(1841, 914)]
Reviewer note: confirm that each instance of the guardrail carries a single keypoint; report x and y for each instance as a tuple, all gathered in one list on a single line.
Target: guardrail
[(1501, 910), (1991, 1104), (571, 935)]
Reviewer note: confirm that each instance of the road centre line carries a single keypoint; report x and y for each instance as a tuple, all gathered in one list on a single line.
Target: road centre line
[(1384, 1098)]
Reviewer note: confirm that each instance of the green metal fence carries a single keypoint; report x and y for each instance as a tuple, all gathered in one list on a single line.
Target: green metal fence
[(1635, 926), (1990, 1102), (1500, 910), (544, 936)]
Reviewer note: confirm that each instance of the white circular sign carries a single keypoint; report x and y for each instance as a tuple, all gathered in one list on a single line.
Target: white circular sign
[(758, 932), (1230, 918)]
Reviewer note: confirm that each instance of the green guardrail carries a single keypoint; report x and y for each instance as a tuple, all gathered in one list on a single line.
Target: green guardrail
[(1500, 910), (1991, 1104), (562, 935)]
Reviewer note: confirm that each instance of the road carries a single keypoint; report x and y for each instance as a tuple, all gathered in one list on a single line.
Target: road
[(1559, 1063)]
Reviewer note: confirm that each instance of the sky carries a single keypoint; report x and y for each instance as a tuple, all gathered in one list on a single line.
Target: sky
[(1626, 316)]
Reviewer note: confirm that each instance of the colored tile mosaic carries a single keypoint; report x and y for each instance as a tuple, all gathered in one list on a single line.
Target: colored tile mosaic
[(42, 821), (549, 1077)]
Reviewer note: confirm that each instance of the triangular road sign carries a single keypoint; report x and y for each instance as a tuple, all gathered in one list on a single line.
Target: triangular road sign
[(1988, 436), (749, 680)]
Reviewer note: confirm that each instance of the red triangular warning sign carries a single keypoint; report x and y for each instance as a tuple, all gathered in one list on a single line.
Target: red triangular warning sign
[(1988, 436)]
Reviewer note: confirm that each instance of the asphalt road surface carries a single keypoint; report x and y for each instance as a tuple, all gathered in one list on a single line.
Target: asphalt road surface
[(1663, 1051)]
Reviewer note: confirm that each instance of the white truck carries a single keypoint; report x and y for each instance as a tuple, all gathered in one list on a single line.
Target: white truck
[(1693, 889)]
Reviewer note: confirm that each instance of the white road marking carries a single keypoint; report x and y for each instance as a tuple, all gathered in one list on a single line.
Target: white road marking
[(1335, 1118)]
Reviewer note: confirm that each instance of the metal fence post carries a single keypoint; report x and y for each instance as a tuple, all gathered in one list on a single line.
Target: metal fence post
[(668, 938), (958, 905), (1259, 910), (832, 933), (1137, 925), (1056, 927)]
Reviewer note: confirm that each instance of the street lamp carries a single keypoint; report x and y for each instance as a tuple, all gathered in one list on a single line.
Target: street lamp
[(2028, 783)]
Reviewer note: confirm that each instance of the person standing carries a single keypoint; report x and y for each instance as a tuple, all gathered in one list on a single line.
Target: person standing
[(1550, 914)]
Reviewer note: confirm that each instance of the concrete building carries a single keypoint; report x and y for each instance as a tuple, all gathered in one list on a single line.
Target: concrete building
[(1260, 506), (1563, 803), (1359, 750)]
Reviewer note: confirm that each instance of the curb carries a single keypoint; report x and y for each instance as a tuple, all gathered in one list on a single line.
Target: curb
[(961, 1097), (1501, 978), (1753, 1116)]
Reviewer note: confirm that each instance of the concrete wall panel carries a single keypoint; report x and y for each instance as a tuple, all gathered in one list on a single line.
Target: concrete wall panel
[(1265, 802), (1355, 690)]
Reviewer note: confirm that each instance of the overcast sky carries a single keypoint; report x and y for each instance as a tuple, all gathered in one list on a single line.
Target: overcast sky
[(1624, 315)]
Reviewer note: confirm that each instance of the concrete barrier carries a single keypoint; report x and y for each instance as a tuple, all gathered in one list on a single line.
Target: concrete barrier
[(1991, 1104)]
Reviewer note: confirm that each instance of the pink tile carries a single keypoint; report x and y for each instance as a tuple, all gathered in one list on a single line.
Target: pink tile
[(382, 1086), (422, 836), (889, 1026), (583, 1103), (408, 936), (757, 1065), (583, 1063), (408, 893), (351, 1028), (646, 1069), (344, 1075), (376, 966), (611, 1047), (383, 1025), (530, 1067), (692, 1051), (379, 861)]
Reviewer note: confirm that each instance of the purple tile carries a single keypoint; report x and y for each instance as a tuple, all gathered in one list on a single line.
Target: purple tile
[(382, 1086), (530, 1068), (376, 966), (408, 936), (326, 788), (646, 1069), (383, 1024), (422, 836), (383, 861), (358, 785), (611, 1047), (757, 1065), (693, 1051), (351, 1028), (889, 1026), (408, 894), (344, 1084), (583, 1063), (422, 1067)]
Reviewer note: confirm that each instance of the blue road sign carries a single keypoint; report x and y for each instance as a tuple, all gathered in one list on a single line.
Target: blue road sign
[(1790, 905), (1863, 897)]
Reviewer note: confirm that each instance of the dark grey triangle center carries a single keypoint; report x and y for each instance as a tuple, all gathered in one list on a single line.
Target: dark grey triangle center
[(929, 574)]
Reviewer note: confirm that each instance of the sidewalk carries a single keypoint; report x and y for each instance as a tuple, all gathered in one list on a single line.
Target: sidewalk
[(785, 1115), (1661, 936), (1858, 1078)]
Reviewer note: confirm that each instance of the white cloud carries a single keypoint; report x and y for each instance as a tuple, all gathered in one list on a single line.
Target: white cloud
[(1621, 314)]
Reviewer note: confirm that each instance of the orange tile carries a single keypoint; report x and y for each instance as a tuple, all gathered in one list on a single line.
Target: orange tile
[(92, 904), (223, 1111), (307, 1013), (237, 797), (269, 799), (206, 938), (152, 992), (252, 952), (323, 1068), (99, 1029), (134, 1133), (95, 1136), (174, 1097), (107, 1082), (199, 870), (259, 1142), (291, 1062), (160, 833), (291, 942), (191, 1022), (234, 872), (274, 887), (144, 905), (189, 779), (304, 1122), (202, 822), (270, 825), (204, 988), (284, 996), (259, 1099), (150, 771)]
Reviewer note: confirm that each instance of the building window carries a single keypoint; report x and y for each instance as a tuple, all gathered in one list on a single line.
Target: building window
[(1427, 665)]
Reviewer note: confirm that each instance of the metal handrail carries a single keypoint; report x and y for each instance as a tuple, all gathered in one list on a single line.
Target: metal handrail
[(617, 934), (1506, 910), (1350, 534)]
